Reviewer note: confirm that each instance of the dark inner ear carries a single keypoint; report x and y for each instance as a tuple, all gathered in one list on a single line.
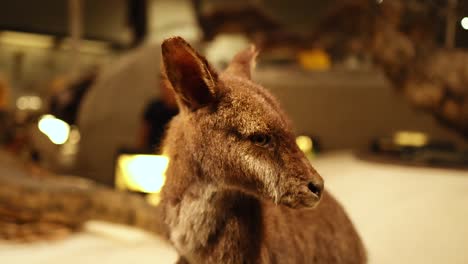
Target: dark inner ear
[(191, 76)]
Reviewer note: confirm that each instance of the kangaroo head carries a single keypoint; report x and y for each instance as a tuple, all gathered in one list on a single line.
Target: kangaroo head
[(232, 132)]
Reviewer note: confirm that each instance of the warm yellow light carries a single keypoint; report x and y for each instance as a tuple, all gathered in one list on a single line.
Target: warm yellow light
[(26, 39), (153, 198), (408, 138), (55, 129), (315, 59), (141, 173), (305, 143), (29, 102)]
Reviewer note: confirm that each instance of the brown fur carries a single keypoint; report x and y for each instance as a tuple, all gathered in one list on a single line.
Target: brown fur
[(236, 179)]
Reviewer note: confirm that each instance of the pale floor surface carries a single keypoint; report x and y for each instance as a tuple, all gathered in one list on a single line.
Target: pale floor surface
[(404, 214), (100, 243)]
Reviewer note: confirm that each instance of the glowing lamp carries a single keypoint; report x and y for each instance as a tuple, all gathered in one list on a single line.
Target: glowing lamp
[(315, 60), (55, 129), (306, 144), (29, 102), (464, 23), (410, 139), (143, 173)]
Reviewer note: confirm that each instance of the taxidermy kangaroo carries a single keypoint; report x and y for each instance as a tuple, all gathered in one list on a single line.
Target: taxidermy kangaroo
[(238, 188)]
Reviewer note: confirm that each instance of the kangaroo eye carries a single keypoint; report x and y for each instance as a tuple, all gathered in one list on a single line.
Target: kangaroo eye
[(260, 140)]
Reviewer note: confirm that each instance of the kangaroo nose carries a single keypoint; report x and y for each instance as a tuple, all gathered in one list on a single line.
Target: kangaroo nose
[(316, 188)]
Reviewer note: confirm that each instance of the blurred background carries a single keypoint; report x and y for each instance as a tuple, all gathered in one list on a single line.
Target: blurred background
[(372, 87)]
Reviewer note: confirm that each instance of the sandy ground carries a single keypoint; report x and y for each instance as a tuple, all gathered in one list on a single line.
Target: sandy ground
[(404, 214)]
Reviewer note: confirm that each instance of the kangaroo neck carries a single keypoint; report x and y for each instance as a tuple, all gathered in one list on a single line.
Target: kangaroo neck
[(208, 212)]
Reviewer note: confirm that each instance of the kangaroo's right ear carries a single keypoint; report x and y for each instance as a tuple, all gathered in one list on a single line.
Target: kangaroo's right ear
[(193, 79), (243, 63)]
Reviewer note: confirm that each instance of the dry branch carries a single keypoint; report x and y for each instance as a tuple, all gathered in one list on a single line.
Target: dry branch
[(33, 207)]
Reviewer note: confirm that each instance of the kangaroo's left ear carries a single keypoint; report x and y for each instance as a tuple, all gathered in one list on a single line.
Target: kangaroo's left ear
[(190, 75), (243, 63)]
